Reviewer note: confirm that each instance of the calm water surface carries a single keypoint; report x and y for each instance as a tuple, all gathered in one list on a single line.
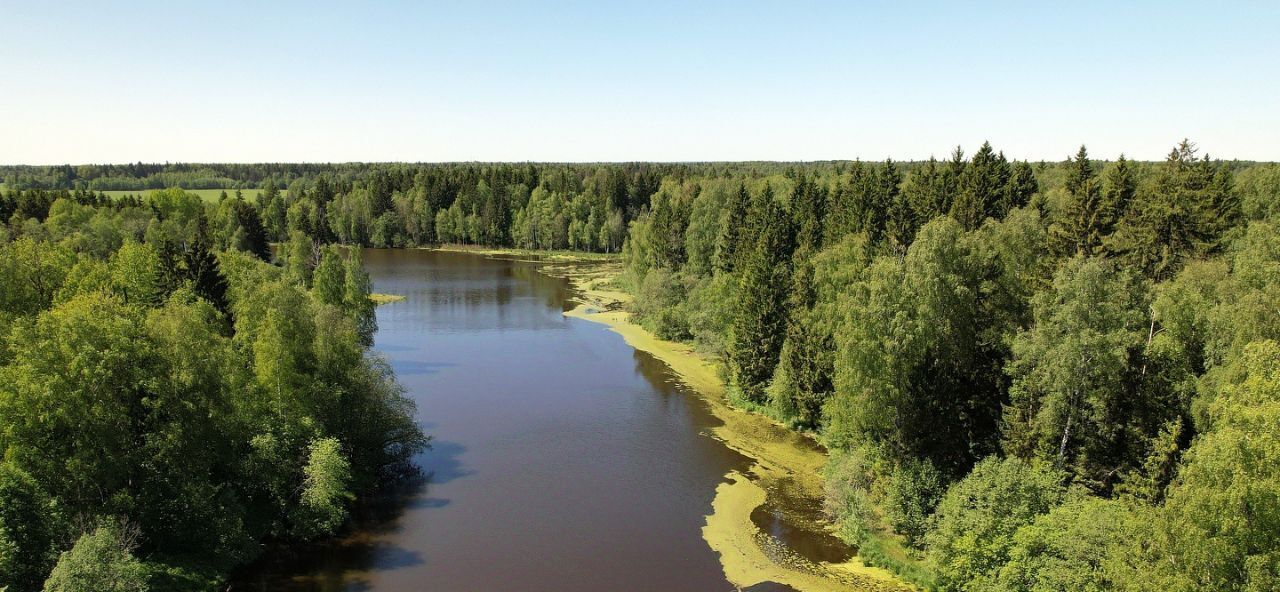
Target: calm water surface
[(562, 459)]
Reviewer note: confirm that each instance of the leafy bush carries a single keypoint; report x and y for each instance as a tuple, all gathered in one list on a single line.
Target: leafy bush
[(659, 307), (911, 495), (979, 515)]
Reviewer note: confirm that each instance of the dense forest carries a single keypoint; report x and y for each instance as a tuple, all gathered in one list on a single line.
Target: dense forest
[(1031, 376), (1061, 377), (170, 401)]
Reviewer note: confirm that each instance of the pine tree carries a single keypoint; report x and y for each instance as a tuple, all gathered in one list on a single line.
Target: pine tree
[(1177, 215), (201, 268), (1082, 222), (759, 323), (1022, 185), (982, 184), (1118, 189), (729, 243), (808, 208)]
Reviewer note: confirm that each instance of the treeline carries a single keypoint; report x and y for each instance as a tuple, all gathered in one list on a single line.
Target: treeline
[(170, 401), (1048, 377), (582, 207)]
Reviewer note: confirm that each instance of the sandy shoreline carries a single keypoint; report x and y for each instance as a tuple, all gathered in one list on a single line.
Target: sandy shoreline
[(782, 458)]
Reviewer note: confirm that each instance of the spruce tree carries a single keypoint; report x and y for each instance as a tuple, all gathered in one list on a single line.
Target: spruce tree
[(732, 232), (982, 184), (759, 323), (1118, 188), (1022, 185), (1082, 222), (808, 205), (201, 268)]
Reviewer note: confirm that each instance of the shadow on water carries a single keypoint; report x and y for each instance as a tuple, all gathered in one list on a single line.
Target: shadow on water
[(342, 563), (441, 464), (418, 368), (345, 562)]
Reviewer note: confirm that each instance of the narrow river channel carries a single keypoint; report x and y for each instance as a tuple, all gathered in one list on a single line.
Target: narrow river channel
[(563, 459)]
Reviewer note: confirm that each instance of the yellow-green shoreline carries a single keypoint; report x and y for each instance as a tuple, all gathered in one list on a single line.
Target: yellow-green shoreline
[(780, 456)]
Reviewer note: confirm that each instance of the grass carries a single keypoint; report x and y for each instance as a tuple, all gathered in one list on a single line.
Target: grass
[(208, 195)]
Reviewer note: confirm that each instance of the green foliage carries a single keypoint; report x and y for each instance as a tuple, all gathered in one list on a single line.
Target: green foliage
[(1085, 218), (914, 368), (1070, 399), (325, 493), (1070, 548), (355, 297), (759, 323), (977, 519), (1223, 511), (28, 530), (184, 390), (100, 561), (1182, 213), (329, 279), (911, 494), (659, 304)]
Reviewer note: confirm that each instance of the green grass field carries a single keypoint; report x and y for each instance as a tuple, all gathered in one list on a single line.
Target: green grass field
[(208, 195)]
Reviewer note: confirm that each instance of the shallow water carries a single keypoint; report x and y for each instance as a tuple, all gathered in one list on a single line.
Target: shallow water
[(562, 459)]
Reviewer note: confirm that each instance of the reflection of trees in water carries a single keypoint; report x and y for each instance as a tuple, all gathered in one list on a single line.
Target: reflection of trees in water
[(337, 564), (341, 564), (553, 290)]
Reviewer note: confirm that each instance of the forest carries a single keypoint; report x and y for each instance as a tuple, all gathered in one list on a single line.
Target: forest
[(1030, 376), (171, 401)]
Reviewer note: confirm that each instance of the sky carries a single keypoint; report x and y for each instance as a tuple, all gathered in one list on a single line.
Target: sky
[(175, 81)]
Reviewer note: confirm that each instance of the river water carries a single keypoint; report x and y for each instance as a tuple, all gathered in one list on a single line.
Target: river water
[(562, 459)]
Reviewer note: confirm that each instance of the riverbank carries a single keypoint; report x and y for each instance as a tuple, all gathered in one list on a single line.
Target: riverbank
[(785, 475)]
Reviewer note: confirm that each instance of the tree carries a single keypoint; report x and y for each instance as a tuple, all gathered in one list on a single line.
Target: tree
[(78, 378), (297, 254), (1119, 185), (356, 290), (27, 533), (1070, 396), (329, 280), (1179, 215), (978, 518), (322, 507), (759, 325), (732, 238), (100, 561), (1069, 548), (1082, 224), (982, 185), (918, 344), (1222, 513)]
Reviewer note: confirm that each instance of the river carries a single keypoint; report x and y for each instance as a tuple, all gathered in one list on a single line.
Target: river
[(563, 459)]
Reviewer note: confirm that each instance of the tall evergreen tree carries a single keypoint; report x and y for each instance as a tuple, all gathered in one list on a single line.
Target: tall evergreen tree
[(759, 323), (1119, 185), (1081, 224), (982, 185), (1177, 215), (732, 237)]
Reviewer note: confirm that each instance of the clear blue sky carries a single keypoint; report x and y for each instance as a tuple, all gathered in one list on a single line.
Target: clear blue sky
[(588, 81)]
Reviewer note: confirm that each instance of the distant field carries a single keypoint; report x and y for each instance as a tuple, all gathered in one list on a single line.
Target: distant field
[(208, 195)]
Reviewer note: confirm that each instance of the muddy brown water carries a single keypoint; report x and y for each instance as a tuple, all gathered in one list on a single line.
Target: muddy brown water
[(563, 459)]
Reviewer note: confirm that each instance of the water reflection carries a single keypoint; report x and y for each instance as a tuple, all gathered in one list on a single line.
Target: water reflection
[(563, 459)]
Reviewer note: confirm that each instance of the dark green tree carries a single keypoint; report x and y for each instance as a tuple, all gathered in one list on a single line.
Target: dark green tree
[(759, 324)]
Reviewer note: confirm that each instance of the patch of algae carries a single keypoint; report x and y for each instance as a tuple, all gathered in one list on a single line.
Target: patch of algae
[(783, 458), (385, 298)]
